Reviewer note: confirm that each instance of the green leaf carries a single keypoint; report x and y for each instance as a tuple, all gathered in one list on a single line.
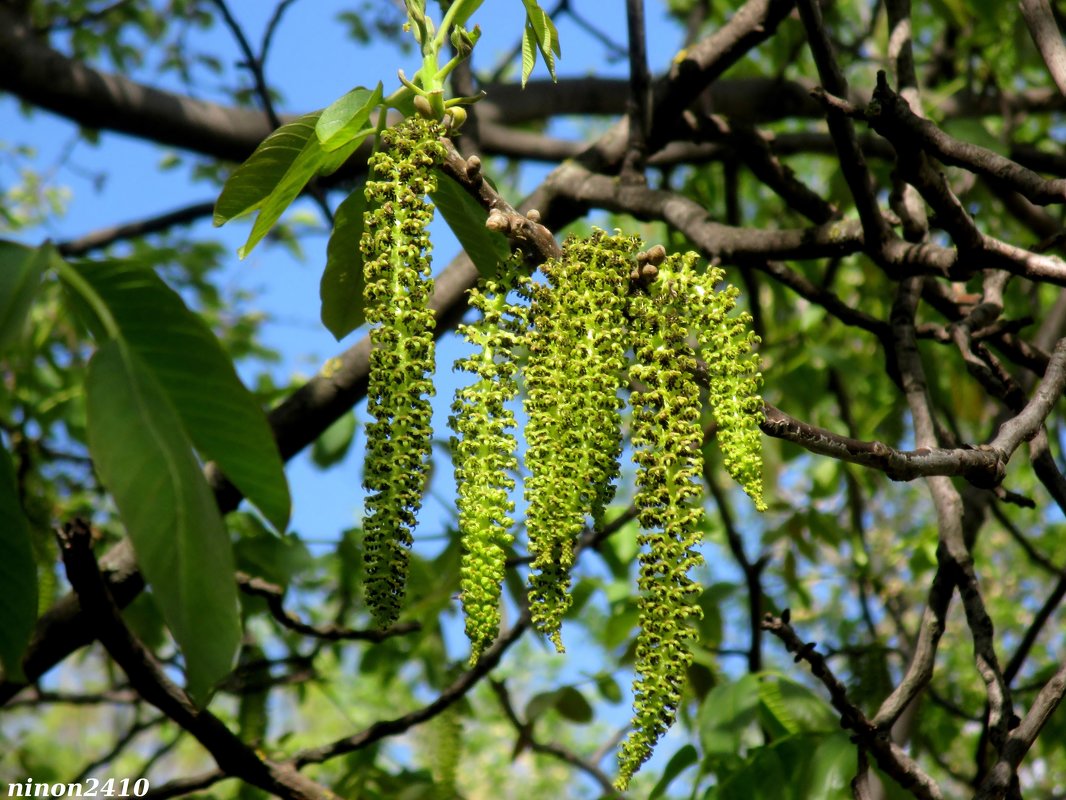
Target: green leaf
[(805, 766), (466, 217), (341, 288), (727, 713), (217, 412), (540, 27), (832, 768), (573, 705), (21, 268), (18, 574), (144, 459), (465, 10), (333, 445), (275, 174), (258, 552), (678, 763), (794, 706), (538, 704), (251, 183), (346, 119), (529, 52), (609, 688)]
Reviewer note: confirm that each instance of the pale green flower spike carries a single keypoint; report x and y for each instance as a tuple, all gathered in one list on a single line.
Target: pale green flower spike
[(396, 249), (680, 308), (577, 347), (484, 456)]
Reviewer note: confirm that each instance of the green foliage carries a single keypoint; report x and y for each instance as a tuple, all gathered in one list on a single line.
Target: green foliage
[(466, 217), (576, 366), (129, 302), (346, 119), (484, 456), (21, 269), (395, 247), (18, 574), (539, 33), (805, 766), (342, 284), (278, 171), (335, 442), (144, 458)]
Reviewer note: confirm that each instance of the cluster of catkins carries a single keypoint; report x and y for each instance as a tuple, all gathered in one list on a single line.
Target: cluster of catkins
[(609, 319)]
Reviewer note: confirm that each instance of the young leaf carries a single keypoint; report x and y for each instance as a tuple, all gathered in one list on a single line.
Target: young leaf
[(312, 161), (465, 10), (251, 183), (217, 412), (529, 52), (540, 27), (341, 288), (726, 712), (275, 174), (832, 767), (466, 218), (18, 574), (346, 119), (21, 268), (144, 459)]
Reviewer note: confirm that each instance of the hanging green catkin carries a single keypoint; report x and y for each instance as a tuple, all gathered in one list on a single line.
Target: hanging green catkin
[(577, 347), (680, 308), (396, 250), (484, 452)]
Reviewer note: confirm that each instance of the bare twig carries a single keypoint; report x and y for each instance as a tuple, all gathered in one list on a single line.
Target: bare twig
[(852, 161), (526, 738), (275, 595), (639, 103), (889, 756), (99, 239)]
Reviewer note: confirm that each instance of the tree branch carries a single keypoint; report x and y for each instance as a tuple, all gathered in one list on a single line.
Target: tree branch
[(275, 595), (564, 754), (889, 756), (147, 677)]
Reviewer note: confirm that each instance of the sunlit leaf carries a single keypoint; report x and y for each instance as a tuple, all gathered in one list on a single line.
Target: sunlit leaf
[(249, 185), (726, 714), (796, 707), (529, 53), (275, 174), (346, 119), (678, 763)]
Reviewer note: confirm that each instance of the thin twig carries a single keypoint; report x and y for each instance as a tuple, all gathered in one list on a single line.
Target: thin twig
[(527, 739)]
